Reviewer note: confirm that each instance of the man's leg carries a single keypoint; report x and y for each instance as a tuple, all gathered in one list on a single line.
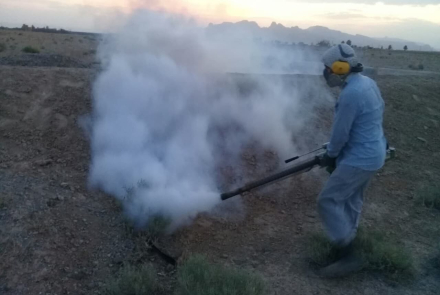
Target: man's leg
[(340, 205)]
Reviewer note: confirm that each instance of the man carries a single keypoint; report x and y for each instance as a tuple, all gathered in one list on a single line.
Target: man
[(357, 149)]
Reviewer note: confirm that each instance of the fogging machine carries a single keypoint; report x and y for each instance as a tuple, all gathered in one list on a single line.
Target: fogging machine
[(301, 167)]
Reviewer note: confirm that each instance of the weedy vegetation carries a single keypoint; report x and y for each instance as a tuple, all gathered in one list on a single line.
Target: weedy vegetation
[(380, 254), (195, 277), (199, 277), (132, 280), (30, 49)]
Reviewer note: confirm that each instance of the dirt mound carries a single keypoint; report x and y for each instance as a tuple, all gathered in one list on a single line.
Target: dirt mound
[(43, 60)]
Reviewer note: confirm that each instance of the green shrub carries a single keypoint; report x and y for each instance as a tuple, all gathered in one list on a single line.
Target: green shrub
[(30, 49), (2, 47), (384, 255), (199, 277), (378, 252)]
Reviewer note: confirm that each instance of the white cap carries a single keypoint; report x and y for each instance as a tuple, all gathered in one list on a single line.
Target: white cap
[(341, 52)]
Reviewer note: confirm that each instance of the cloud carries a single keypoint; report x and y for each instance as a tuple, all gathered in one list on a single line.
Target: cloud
[(409, 29), (345, 15), (61, 15), (412, 29), (389, 2)]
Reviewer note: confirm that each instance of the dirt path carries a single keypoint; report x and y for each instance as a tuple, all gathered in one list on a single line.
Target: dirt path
[(57, 237)]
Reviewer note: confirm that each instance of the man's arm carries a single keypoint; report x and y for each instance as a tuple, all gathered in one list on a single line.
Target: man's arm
[(346, 113)]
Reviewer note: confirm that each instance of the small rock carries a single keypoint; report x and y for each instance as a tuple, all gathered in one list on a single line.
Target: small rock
[(422, 139), (3, 166), (78, 275), (425, 127), (44, 162), (51, 203), (225, 256), (64, 185), (80, 196), (416, 98), (91, 285)]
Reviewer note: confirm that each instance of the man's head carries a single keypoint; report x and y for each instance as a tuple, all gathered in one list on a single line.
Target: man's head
[(339, 61)]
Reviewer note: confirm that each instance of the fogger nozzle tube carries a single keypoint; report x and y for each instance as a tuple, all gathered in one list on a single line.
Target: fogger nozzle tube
[(306, 165)]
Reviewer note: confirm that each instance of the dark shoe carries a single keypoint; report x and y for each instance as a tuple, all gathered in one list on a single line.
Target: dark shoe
[(348, 264)]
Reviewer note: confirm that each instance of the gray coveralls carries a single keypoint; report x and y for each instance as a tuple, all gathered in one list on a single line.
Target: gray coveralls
[(359, 144)]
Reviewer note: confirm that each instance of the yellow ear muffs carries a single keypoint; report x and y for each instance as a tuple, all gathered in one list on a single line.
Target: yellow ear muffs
[(340, 67)]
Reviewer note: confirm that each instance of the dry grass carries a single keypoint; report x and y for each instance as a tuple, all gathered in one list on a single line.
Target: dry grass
[(53, 43)]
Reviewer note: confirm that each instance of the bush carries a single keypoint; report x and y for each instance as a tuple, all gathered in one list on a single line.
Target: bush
[(421, 67), (429, 196), (379, 254), (323, 43), (134, 281), (198, 277), (2, 47), (30, 49)]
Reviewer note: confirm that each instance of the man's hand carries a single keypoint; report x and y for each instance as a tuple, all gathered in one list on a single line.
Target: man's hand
[(329, 162)]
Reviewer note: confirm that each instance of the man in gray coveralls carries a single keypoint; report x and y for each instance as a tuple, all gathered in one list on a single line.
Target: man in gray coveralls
[(357, 149)]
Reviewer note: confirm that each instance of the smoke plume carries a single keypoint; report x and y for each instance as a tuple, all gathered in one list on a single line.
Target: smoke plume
[(166, 115)]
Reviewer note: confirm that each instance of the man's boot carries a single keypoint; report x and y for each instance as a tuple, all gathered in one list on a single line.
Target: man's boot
[(348, 262)]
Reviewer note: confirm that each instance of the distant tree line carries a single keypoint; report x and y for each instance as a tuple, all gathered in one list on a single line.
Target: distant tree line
[(46, 29)]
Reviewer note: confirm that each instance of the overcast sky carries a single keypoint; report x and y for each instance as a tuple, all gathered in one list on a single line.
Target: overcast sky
[(415, 20)]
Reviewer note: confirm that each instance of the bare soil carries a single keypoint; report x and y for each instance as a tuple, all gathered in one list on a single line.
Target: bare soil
[(58, 237)]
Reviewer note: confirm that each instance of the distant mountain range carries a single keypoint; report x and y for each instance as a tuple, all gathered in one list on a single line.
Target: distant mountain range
[(312, 35)]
